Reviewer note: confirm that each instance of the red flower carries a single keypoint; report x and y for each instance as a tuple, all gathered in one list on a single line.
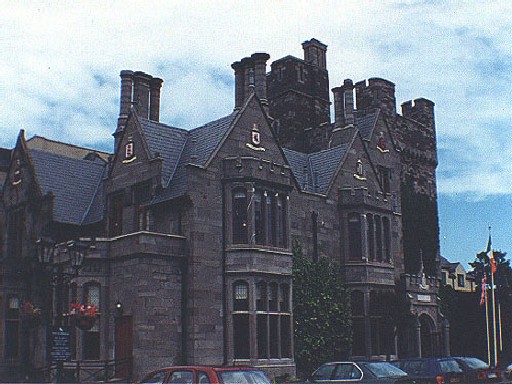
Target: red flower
[(88, 310)]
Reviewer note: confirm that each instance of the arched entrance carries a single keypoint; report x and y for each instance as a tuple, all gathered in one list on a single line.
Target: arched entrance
[(428, 336)]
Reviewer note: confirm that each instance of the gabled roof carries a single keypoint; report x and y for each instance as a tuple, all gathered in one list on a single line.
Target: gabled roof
[(179, 148), (75, 184), (314, 172)]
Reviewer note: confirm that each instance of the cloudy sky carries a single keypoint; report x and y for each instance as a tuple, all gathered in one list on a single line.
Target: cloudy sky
[(60, 64)]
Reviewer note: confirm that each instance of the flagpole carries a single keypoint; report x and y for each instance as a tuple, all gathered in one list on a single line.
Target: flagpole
[(494, 319), (499, 317), (487, 327)]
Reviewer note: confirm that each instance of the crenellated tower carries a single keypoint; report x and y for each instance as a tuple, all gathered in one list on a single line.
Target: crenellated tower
[(298, 95)]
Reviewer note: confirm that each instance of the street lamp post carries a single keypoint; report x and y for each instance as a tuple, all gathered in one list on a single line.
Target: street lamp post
[(76, 252)]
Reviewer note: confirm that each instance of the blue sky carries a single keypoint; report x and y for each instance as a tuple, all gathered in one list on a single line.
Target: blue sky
[(60, 64)]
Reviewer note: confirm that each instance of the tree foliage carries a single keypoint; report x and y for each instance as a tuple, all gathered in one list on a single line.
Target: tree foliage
[(321, 310)]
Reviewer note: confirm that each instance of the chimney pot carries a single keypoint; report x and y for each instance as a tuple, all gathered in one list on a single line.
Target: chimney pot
[(141, 93), (154, 98)]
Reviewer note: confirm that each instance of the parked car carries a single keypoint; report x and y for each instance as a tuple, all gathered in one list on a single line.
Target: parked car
[(366, 372), (478, 371), (439, 370), (206, 375)]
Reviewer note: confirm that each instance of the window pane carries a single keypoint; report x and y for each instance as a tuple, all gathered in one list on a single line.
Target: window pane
[(286, 347), (378, 232), (284, 305), (259, 218), (387, 238), (261, 297), (181, 377), (241, 336), (11, 339), (354, 236), (239, 217), (274, 336), (270, 219), (371, 238), (262, 325)]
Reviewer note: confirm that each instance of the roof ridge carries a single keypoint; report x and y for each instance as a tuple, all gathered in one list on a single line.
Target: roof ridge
[(64, 143), (213, 121), (163, 124), (171, 176), (100, 181), (102, 164)]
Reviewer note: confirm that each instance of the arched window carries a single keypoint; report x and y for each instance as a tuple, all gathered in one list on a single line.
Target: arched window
[(259, 218), (241, 296), (241, 337), (240, 217), (354, 236), (91, 338)]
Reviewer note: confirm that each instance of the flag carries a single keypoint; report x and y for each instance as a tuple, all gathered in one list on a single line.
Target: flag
[(484, 290), (493, 263), (490, 253)]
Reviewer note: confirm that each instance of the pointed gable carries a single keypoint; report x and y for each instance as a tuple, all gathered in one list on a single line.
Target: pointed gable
[(315, 172)]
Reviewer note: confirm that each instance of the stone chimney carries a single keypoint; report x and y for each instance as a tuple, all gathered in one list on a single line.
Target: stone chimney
[(344, 104), (251, 76), (154, 98), (141, 93), (126, 98), (315, 53)]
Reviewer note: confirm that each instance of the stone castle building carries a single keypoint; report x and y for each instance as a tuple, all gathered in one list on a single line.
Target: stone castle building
[(190, 232)]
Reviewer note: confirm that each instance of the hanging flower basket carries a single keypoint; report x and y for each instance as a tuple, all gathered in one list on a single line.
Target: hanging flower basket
[(83, 316), (30, 315)]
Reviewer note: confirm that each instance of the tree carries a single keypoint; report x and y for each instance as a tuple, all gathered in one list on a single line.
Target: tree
[(321, 310)]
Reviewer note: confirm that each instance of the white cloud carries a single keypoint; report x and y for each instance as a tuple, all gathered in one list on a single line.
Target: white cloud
[(60, 77)]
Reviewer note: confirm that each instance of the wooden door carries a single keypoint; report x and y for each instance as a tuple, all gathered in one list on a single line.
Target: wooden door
[(123, 351)]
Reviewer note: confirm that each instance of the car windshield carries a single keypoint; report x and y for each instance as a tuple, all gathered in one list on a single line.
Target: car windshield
[(384, 369), (244, 377), (449, 366), (474, 363)]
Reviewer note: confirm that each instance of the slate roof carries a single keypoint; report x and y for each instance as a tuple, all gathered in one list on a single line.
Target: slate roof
[(197, 147), (75, 184), (366, 122), (314, 172), (167, 141)]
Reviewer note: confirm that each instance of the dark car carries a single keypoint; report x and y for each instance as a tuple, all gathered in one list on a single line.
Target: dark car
[(478, 371), (439, 370), (359, 371), (206, 375)]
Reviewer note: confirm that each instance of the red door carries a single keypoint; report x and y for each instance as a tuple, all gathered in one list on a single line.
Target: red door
[(123, 346)]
